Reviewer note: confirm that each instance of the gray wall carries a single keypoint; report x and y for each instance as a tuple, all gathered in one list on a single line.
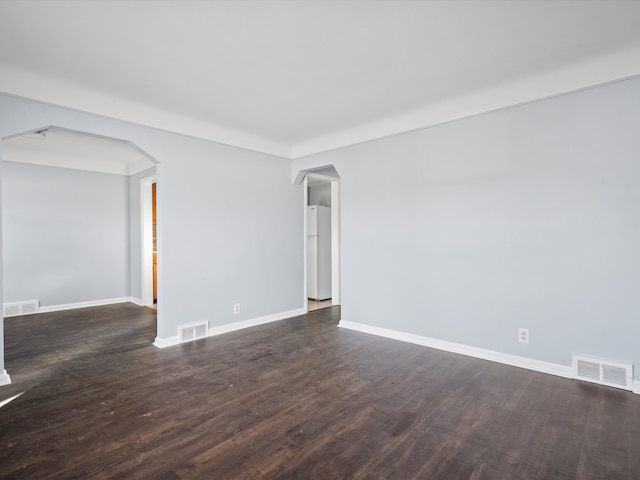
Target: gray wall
[(230, 231), (65, 234), (230, 221), (526, 217)]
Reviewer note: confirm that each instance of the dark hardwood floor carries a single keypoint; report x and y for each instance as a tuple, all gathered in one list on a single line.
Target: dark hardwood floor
[(299, 398)]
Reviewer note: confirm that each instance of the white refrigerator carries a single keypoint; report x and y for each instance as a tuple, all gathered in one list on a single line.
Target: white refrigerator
[(318, 252)]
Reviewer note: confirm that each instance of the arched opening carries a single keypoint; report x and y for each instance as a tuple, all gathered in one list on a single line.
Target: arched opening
[(322, 236), (72, 220)]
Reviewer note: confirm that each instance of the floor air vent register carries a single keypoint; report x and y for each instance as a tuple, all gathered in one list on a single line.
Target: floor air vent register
[(21, 308), (192, 331), (603, 372)]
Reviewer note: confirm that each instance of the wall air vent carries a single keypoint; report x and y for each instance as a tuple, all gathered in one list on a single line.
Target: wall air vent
[(11, 309), (193, 331), (21, 308), (603, 372)]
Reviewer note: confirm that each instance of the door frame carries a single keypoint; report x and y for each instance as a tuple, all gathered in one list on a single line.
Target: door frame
[(146, 247), (335, 234)]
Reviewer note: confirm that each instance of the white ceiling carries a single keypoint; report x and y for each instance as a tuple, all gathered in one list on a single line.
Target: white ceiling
[(295, 78)]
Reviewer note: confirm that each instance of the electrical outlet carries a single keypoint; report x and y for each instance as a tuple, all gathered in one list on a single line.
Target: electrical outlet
[(523, 335), (236, 308)]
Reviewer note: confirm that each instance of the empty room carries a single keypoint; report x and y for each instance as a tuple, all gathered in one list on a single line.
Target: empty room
[(320, 239)]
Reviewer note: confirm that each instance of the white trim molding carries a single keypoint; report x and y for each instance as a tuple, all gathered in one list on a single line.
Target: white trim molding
[(137, 301), (92, 303), (5, 379), (493, 356), (232, 327), (571, 77), (164, 342)]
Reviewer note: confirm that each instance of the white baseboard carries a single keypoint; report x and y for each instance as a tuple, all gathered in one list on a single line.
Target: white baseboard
[(137, 301), (5, 379), (636, 387), (232, 327), (165, 342), (513, 360), (93, 303)]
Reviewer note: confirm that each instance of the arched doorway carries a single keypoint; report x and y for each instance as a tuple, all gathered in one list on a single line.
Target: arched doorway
[(39, 277), (321, 199)]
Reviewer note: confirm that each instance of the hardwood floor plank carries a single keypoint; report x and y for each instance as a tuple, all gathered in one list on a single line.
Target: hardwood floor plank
[(294, 399)]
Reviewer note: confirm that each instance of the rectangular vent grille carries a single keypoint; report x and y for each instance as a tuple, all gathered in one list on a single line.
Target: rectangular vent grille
[(11, 310), (192, 331), (615, 375), (603, 372), (21, 308)]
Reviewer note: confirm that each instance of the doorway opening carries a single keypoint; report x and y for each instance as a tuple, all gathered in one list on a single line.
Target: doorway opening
[(149, 247), (106, 170), (70, 223), (322, 231)]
